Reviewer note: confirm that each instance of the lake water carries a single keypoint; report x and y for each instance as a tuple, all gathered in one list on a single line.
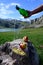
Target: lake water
[(8, 30)]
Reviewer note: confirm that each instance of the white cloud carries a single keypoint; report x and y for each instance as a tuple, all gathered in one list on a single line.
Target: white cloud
[(7, 6), (5, 11), (3, 16), (15, 4), (27, 19), (2, 4), (22, 18), (12, 4)]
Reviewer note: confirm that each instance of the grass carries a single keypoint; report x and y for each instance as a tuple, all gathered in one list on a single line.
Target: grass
[(35, 35)]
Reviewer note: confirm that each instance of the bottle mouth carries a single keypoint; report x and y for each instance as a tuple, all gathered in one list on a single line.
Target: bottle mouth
[(17, 7)]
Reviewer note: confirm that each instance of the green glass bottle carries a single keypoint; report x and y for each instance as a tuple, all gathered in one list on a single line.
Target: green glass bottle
[(22, 11)]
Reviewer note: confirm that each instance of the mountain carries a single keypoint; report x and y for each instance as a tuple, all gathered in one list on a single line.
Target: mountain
[(14, 23), (11, 23), (37, 22)]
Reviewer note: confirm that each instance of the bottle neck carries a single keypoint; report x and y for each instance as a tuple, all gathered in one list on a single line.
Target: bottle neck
[(17, 7)]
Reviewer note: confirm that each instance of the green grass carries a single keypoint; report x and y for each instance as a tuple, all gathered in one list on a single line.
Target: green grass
[(35, 35)]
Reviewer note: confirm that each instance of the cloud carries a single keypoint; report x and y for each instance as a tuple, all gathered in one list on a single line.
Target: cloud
[(12, 4), (9, 5), (22, 18), (15, 4), (5, 10), (3, 16), (1, 4), (27, 19)]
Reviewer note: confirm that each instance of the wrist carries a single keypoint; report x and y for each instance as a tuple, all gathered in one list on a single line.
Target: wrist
[(32, 12)]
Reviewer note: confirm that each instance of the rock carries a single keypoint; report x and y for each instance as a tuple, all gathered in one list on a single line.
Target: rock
[(11, 58), (1, 61), (6, 48)]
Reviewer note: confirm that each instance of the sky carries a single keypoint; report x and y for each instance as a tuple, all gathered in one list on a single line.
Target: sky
[(8, 10)]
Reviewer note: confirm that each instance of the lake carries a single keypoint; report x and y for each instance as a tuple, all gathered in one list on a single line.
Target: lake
[(8, 30)]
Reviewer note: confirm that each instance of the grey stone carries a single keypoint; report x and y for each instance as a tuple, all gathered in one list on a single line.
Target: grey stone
[(11, 58)]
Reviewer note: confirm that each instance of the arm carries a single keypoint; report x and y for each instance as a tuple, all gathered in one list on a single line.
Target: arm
[(37, 10)]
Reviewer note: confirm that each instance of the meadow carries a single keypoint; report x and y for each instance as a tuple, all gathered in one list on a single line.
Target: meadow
[(34, 35)]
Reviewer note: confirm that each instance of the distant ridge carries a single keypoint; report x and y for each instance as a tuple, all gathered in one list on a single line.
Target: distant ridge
[(14, 23)]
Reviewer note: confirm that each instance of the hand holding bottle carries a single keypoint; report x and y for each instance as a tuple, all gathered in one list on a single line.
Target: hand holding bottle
[(29, 14), (23, 12)]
